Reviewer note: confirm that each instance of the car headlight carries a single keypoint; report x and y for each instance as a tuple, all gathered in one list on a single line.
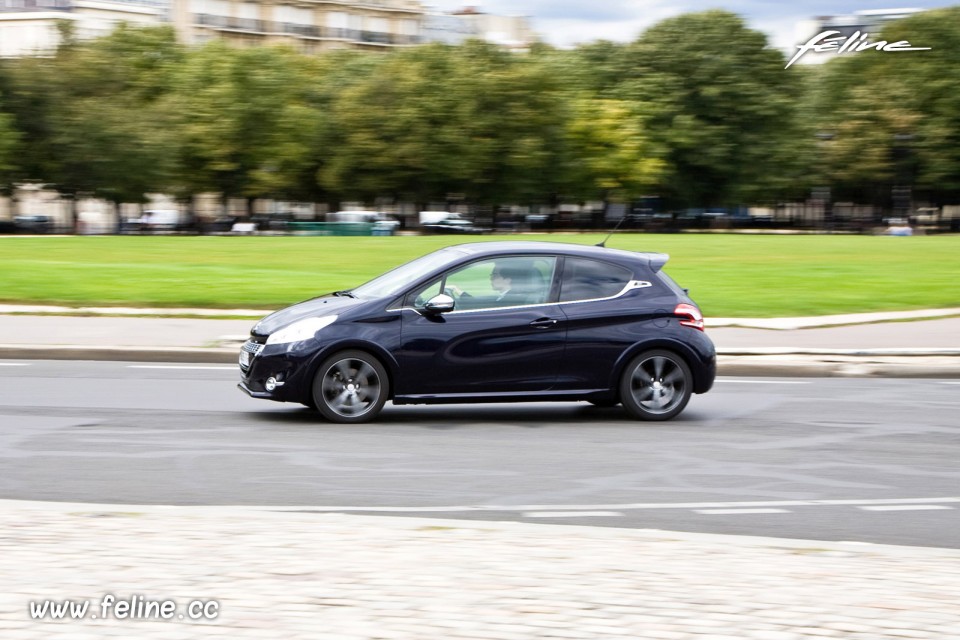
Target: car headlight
[(300, 330)]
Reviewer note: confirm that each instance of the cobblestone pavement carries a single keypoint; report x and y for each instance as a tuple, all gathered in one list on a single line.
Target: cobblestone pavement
[(294, 574)]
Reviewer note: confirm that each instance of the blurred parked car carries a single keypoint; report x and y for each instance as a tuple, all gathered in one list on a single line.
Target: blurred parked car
[(490, 322), (33, 224), (454, 225), (539, 220), (220, 224), (382, 220), (278, 221)]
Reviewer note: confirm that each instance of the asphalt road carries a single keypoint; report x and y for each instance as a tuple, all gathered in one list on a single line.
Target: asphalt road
[(870, 460)]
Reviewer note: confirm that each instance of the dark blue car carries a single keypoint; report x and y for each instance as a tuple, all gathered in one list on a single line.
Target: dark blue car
[(490, 322)]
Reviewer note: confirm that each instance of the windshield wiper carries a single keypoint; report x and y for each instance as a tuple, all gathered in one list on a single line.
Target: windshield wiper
[(344, 293)]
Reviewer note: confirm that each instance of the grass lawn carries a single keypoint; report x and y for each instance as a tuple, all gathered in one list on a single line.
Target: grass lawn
[(728, 275)]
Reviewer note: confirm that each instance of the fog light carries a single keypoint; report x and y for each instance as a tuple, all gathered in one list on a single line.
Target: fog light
[(270, 384)]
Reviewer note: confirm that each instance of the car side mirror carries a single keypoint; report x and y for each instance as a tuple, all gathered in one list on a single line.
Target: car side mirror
[(441, 303)]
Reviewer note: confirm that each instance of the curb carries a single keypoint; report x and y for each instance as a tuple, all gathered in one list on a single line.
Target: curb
[(135, 312), (119, 354), (841, 320), (898, 352), (417, 523), (811, 367), (809, 363)]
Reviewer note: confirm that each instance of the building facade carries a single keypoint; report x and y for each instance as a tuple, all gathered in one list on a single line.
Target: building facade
[(31, 27), (511, 32), (307, 25)]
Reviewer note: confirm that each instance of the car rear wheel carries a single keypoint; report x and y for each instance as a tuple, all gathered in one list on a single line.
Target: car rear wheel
[(350, 387), (656, 385)]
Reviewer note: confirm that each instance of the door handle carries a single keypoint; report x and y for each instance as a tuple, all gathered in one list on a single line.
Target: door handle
[(544, 323)]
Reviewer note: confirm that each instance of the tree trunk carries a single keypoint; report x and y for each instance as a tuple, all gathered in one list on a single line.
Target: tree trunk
[(74, 215)]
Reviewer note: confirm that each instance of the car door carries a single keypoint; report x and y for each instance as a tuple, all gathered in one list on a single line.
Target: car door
[(604, 314), (494, 342)]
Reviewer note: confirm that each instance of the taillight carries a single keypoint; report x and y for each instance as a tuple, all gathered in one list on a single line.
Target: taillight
[(692, 315)]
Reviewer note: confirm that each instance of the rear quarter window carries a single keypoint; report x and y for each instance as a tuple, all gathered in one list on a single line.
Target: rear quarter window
[(585, 279), (671, 284)]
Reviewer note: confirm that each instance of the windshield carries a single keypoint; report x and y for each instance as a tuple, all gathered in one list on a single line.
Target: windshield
[(395, 281)]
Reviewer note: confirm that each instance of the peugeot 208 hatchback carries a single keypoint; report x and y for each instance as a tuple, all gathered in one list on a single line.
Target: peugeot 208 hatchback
[(490, 322)]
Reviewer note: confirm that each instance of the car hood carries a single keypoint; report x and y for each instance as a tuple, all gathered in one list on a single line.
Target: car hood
[(314, 308)]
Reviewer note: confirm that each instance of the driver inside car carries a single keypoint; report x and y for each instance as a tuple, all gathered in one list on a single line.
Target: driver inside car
[(512, 285)]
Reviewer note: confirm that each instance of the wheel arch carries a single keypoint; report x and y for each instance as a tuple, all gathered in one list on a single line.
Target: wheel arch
[(688, 355), (386, 359)]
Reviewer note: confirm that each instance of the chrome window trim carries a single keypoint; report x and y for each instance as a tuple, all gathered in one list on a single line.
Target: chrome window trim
[(630, 286)]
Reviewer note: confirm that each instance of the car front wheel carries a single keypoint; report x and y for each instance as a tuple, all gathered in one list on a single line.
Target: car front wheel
[(350, 387), (656, 385)]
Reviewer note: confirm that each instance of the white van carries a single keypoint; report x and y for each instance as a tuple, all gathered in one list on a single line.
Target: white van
[(371, 217), (156, 219)]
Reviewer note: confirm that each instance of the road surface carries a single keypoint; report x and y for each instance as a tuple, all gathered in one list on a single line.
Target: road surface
[(871, 460)]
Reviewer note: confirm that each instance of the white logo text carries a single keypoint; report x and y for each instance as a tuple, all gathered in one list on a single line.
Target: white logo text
[(827, 41)]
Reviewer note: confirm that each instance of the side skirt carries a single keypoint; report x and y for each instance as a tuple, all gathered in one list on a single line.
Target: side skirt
[(510, 396)]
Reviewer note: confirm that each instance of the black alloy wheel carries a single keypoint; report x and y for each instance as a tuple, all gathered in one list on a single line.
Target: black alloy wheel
[(656, 385), (350, 387)]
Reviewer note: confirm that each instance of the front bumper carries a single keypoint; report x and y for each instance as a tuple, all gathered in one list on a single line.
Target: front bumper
[(264, 395), (290, 368)]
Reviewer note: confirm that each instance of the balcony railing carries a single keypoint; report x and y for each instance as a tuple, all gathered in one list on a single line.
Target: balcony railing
[(303, 30), (230, 23), (11, 6)]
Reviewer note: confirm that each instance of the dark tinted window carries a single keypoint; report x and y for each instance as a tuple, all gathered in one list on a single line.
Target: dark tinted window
[(588, 279)]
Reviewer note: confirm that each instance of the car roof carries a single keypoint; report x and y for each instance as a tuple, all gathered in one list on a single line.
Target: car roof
[(653, 259)]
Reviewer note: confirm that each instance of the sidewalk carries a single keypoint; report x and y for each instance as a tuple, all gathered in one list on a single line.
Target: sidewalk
[(859, 345), (285, 573)]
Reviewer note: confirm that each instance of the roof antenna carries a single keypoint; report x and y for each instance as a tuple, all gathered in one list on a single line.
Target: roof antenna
[(603, 243)]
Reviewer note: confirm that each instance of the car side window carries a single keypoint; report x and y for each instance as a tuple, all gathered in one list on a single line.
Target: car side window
[(585, 279), (490, 284), (419, 297)]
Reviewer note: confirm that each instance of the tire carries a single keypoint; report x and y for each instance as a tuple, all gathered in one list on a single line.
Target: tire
[(656, 385), (350, 387)]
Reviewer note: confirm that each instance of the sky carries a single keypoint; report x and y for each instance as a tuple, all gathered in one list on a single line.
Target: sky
[(569, 22)]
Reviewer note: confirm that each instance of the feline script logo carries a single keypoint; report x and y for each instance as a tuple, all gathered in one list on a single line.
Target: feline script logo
[(830, 41)]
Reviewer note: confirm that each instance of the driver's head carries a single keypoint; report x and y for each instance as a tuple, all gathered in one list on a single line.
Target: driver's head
[(503, 277)]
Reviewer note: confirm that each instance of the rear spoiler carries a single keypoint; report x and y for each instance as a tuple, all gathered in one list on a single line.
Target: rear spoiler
[(657, 260)]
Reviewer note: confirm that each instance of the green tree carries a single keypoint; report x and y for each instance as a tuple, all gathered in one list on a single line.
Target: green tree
[(610, 155), (248, 120), (596, 68), (90, 116), (894, 118), (437, 119), (507, 124), (717, 98), (391, 129), (9, 137), (30, 106)]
